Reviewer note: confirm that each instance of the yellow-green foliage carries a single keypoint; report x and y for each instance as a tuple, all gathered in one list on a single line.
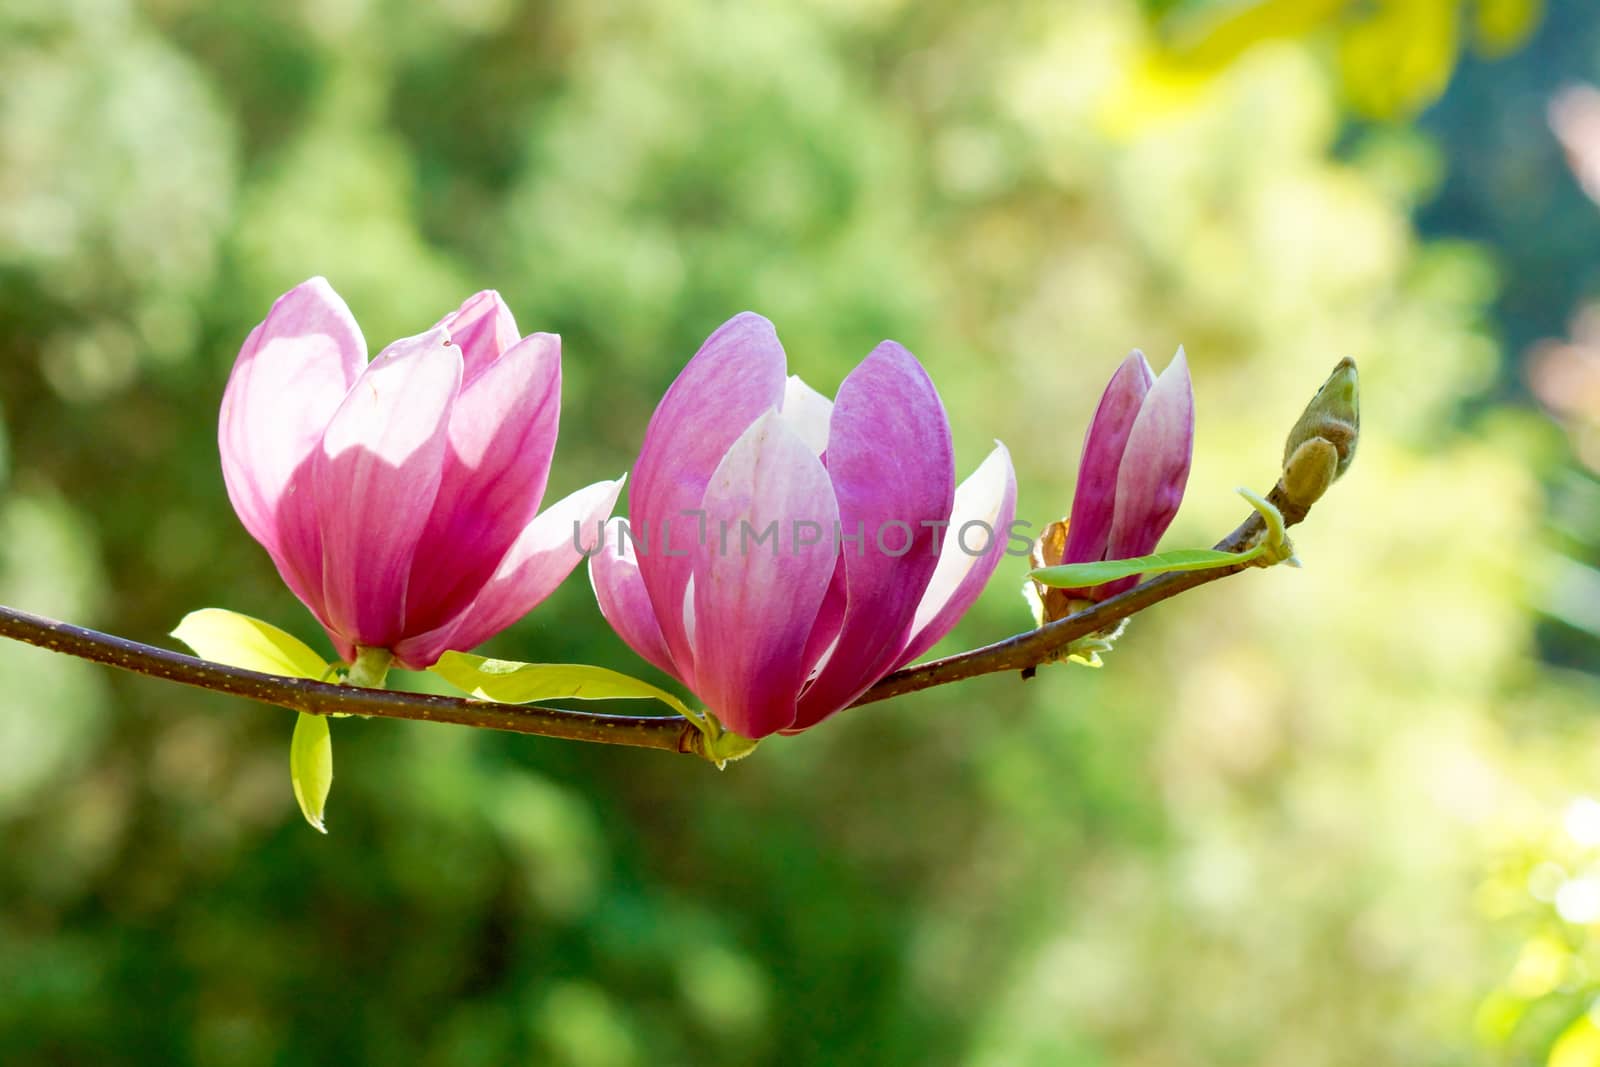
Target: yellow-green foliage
[(1392, 57), (1258, 836)]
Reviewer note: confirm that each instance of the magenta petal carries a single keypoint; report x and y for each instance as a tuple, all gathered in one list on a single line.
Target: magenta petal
[(539, 561), (502, 436), (830, 620), (624, 601), (755, 599), (736, 376), (893, 472), (1094, 500), (483, 328), (300, 534), (291, 375), (986, 503), (1155, 467), (375, 479)]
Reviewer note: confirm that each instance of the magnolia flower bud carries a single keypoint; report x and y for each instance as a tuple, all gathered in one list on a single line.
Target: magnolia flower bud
[(1334, 416), (1134, 468), (1310, 471)]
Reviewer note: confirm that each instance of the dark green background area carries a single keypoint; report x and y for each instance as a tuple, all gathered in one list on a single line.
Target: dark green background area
[(1298, 818)]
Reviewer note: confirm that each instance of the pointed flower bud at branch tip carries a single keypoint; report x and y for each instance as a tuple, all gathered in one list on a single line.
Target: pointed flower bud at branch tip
[(1309, 472), (1333, 416)]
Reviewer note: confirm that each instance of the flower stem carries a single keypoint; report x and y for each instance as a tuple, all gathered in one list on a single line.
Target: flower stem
[(370, 668)]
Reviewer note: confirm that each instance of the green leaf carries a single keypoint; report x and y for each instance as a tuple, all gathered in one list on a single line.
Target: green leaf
[(311, 766), (1505, 25), (1578, 1045), (509, 682), (240, 641), (1082, 575)]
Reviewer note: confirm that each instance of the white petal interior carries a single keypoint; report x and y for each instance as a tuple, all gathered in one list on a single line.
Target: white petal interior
[(808, 413)]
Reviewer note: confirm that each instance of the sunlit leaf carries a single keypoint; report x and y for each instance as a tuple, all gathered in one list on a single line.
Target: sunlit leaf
[(510, 682), (1541, 967), (1218, 35), (311, 766), (1152, 89), (1200, 40), (1503, 26), (1400, 59), (1395, 58), (1497, 1017), (1083, 575), (239, 641), (1578, 1045)]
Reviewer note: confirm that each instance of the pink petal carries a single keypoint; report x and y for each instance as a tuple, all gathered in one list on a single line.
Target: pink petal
[(375, 479), (483, 328), (1155, 467), (736, 376), (502, 436), (291, 375), (755, 603), (1093, 502), (989, 497), (623, 599), (539, 561), (893, 471), (301, 535), (1574, 116)]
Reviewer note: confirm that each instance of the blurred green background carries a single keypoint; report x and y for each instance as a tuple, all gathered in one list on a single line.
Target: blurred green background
[(1334, 816)]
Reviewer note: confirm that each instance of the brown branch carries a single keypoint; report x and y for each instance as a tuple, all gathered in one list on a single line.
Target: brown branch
[(672, 733), (1045, 644), (1318, 451)]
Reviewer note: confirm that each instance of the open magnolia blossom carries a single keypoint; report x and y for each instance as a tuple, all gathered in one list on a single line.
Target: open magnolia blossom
[(400, 498), (787, 551), (1131, 479)]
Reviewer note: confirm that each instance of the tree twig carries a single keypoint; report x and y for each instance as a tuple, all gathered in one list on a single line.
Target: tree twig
[(1045, 644), (671, 733), (1330, 422)]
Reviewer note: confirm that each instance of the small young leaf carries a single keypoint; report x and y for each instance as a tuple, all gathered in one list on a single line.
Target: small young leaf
[(1083, 575), (311, 766), (509, 682), (239, 641)]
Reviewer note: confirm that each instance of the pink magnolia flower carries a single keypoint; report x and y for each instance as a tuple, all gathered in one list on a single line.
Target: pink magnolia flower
[(871, 552), (1131, 478), (1574, 115), (400, 498)]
